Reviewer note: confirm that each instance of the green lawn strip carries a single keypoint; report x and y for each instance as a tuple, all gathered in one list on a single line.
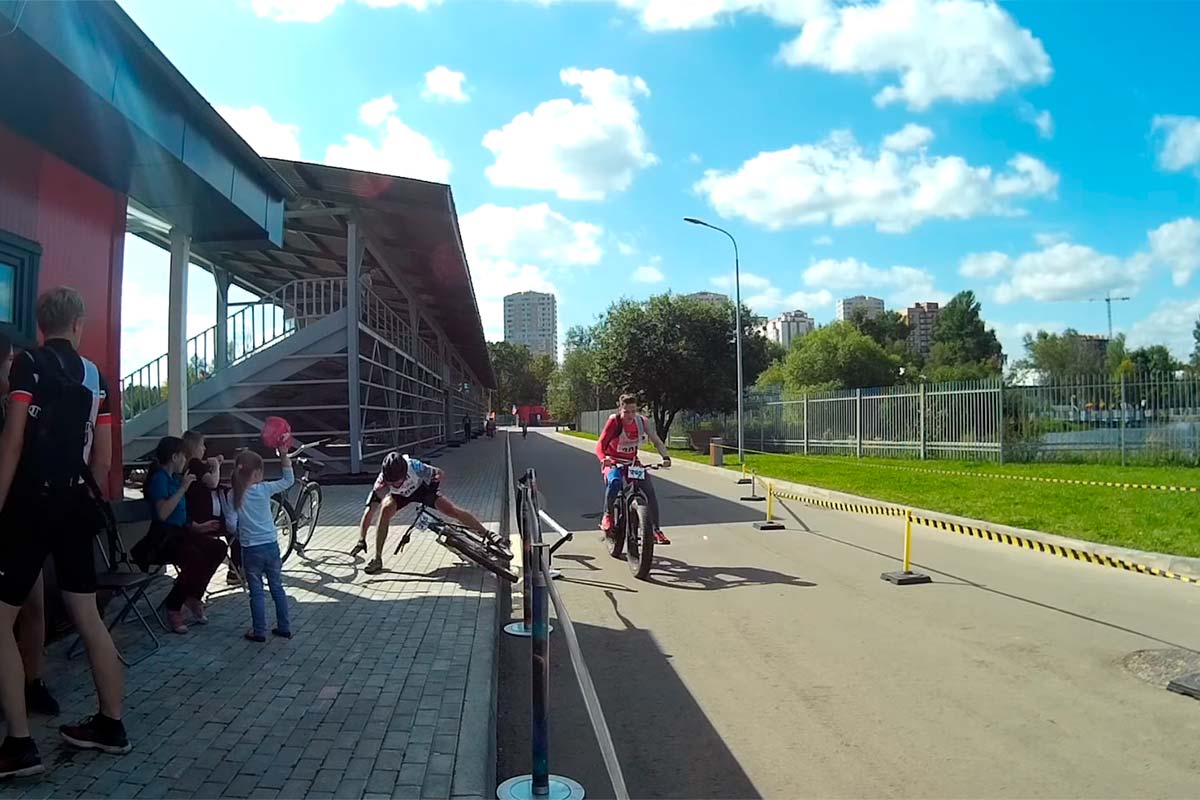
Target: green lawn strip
[(1145, 520)]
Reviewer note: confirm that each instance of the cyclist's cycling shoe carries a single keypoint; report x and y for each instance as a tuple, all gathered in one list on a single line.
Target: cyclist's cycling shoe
[(498, 541), (361, 547), (606, 523), (375, 567), (661, 538)]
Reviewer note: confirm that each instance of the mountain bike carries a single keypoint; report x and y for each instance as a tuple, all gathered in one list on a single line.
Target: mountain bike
[(632, 531), (463, 541), (297, 522)]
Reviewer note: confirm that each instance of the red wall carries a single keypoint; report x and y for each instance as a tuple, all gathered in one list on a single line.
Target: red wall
[(80, 225)]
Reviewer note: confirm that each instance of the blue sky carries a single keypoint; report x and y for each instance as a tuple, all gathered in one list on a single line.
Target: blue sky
[(1038, 153)]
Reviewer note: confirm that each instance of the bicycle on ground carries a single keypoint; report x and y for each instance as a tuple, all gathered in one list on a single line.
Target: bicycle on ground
[(632, 531), (461, 540)]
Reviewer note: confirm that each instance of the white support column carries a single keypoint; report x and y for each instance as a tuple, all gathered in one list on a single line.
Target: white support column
[(177, 404), (221, 278), (354, 251)]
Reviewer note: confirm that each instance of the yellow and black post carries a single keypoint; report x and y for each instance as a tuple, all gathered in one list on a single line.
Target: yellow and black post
[(770, 523), (907, 577)]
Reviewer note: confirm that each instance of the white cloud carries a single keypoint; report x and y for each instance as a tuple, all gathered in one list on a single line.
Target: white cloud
[(626, 248), (983, 265), (837, 181), (1170, 323), (823, 241), (1180, 145), (317, 10), (1047, 238), (398, 149), (516, 249), (649, 273), (910, 137), (902, 285), (579, 151), (675, 15), (694, 158), (748, 280), (262, 132), (1012, 335), (763, 297), (957, 50), (1044, 122), (1177, 244), (443, 84), (1068, 271)]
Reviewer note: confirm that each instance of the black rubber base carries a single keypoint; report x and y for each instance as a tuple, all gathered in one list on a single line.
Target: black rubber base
[(768, 526), (1187, 685), (906, 578), (744, 481), (754, 499)]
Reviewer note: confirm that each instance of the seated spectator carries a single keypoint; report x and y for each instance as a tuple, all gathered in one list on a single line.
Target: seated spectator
[(204, 499), (173, 540)]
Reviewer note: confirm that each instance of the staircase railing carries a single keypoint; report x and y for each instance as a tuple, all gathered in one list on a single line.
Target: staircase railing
[(252, 328), (386, 321)]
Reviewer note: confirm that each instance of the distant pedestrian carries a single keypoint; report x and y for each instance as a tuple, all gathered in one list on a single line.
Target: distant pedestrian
[(250, 516)]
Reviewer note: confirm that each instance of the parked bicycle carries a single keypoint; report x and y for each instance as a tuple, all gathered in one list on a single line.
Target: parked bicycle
[(461, 540), (297, 522), (632, 531)]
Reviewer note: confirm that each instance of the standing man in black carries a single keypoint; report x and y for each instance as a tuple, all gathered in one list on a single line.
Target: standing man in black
[(55, 452)]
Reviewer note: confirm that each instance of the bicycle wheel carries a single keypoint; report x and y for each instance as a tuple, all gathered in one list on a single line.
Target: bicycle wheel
[(285, 526), (469, 549), (639, 549), (614, 537), (308, 510)]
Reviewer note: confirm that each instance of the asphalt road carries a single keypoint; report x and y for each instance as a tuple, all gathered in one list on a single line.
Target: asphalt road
[(757, 664)]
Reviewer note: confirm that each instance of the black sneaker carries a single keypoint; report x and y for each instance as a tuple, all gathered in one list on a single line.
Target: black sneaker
[(19, 758), (97, 733), (39, 700)]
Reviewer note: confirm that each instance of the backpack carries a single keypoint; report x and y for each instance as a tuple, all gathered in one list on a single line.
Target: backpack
[(59, 441)]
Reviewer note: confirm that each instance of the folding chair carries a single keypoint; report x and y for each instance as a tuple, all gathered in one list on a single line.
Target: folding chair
[(119, 575)]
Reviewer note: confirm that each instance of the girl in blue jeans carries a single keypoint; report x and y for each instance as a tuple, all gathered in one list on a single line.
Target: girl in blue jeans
[(250, 516)]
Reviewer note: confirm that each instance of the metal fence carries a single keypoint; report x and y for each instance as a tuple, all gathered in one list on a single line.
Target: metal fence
[(1144, 419)]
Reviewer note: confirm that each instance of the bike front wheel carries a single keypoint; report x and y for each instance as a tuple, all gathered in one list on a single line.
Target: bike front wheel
[(308, 510), (471, 550), (639, 545), (285, 526)]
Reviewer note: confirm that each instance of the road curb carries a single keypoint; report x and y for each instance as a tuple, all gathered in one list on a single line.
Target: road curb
[(1181, 565)]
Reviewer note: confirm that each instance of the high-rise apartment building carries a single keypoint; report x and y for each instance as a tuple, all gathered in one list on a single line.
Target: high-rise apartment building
[(787, 327), (921, 318), (846, 307), (531, 319)]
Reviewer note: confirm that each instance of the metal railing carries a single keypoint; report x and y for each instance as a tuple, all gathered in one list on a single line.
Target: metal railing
[(538, 588), (1152, 418), (253, 327)]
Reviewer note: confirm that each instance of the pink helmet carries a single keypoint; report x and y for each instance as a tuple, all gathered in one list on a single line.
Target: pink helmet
[(276, 432)]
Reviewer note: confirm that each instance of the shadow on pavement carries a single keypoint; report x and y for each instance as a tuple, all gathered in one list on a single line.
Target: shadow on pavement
[(676, 574), (665, 743)]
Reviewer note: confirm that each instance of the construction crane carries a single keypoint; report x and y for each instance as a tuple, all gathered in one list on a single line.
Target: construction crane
[(1108, 300)]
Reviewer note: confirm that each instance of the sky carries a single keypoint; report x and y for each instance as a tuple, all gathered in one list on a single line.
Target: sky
[(1042, 154)]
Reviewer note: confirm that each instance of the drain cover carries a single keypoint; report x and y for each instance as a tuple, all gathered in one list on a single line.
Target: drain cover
[(593, 515)]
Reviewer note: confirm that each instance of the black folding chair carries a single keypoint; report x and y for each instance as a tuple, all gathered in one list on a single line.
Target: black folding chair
[(117, 574)]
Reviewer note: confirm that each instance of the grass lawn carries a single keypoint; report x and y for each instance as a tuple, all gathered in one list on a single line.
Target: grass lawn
[(1164, 522)]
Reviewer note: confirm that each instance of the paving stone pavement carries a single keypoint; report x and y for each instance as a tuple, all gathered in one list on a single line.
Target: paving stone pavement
[(367, 700)]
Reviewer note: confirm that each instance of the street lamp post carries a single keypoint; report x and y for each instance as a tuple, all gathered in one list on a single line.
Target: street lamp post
[(737, 322)]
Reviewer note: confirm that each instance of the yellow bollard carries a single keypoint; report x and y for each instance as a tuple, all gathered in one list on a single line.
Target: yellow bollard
[(906, 577), (743, 480), (754, 496), (770, 524)]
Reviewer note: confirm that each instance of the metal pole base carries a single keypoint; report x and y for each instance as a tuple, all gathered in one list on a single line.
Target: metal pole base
[(753, 499), (1186, 685), (555, 574), (908, 578), (744, 481), (521, 788), (770, 525), (518, 629)]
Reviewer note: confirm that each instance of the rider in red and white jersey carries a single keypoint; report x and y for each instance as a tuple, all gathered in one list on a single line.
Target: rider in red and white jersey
[(623, 434)]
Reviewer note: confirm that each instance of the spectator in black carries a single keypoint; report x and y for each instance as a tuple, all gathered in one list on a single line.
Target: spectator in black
[(173, 540), (31, 622), (55, 454), (203, 498), (466, 428)]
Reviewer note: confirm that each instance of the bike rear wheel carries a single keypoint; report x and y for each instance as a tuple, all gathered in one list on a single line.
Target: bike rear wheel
[(308, 510), (469, 549), (639, 547), (285, 526)]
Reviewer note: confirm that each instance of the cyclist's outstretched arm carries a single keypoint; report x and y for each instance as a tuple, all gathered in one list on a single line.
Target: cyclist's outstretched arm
[(658, 444)]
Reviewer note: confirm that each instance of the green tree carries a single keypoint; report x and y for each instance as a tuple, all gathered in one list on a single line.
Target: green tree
[(520, 377), (676, 353), (1067, 354), (838, 356), (573, 386), (960, 338), (889, 329), (1154, 360), (1196, 344)]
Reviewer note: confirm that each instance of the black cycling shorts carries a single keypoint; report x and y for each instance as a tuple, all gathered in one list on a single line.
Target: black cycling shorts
[(426, 495), (33, 528)]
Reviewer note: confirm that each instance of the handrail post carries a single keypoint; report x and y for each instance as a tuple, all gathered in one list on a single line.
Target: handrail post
[(540, 671), (528, 525)]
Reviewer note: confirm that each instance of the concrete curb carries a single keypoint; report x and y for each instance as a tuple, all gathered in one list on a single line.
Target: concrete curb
[(1182, 565)]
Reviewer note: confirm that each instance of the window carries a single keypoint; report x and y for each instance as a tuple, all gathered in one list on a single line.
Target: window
[(18, 287)]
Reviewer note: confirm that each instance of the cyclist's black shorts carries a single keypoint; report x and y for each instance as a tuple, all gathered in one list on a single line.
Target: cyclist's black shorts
[(35, 528), (426, 495)]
